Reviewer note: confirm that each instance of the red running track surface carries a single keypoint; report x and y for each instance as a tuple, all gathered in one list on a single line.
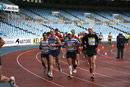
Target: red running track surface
[(110, 72)]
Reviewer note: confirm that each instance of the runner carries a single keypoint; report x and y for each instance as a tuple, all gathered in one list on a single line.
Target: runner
[(62, 45), (54, 44), (77, 51), (61, 39), (83, 48), (91, 40), (127, 37), (3, 78), (100, 38), (71, 45), (109, 39), (58, 34), (44, 52)]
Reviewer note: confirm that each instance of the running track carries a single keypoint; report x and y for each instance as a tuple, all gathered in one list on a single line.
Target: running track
[(25, 65)]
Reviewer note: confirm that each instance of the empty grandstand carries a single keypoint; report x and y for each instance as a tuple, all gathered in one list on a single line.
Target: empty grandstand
[(23, 22), (31, 21)]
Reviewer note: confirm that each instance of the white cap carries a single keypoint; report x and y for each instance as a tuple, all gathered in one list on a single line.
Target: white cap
[(69, 32)]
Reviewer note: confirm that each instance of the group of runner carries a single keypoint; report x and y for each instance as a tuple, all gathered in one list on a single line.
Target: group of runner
[(54, 44)]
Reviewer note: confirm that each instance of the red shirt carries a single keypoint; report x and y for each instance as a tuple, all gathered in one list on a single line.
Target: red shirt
[(58, 35), (76, 37)]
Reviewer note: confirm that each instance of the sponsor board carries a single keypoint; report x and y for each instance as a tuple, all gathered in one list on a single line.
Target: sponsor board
[(18, 41), (36, 40), (7, 7), (1, 6)]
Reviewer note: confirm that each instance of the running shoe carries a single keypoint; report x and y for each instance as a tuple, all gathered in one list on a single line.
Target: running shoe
[(50, 75), (12, 81), (70, 76), (77, 62), (75, 71), (93, 76)]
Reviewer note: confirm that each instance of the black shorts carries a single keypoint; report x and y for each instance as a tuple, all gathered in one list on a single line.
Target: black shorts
[(0, 61), (54, 53), (109, 40), (100, 38), (127, 40), (71, 55), (91, 53), (45, 56)]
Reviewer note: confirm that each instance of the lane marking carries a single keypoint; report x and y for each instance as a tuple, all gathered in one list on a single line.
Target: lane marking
[(74, 76), (32, 72), (100, 74)]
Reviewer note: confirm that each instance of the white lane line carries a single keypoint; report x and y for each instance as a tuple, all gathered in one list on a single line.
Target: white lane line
[(12, 52), (32, 72), (113, 63), (109, 68), (74, 76), (126, 61), (101, 74)]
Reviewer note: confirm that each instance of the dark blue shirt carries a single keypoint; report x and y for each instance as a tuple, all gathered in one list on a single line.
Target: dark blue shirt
[(120, 41)]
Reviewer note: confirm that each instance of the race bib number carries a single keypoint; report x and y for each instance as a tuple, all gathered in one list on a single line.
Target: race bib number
[(91, 41), (45, 49), (70, 46)]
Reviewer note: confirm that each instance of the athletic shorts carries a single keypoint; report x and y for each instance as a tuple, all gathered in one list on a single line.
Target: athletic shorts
[(71, 55), (45, 56), (126, 40), (100, 38), (109, 40), (54, 53), (0, 61), (91, 53)]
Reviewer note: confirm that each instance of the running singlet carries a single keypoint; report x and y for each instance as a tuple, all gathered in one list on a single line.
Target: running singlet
[(109, 36), (45, 48), (52, 41), (71, 44), (58, 35), (100, 36), (127, 36), (77, 39)]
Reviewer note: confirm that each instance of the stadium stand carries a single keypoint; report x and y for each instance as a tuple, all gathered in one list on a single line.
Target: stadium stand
[(31, 22)]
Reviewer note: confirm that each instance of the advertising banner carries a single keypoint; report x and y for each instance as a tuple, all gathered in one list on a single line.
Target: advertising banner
[(1, 6), (36, 40), (18, 41), (13, 8)]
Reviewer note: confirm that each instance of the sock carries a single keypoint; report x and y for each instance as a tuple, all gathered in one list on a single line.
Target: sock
[(10, 81), (63, 54), (70, 69), (74, 66)]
